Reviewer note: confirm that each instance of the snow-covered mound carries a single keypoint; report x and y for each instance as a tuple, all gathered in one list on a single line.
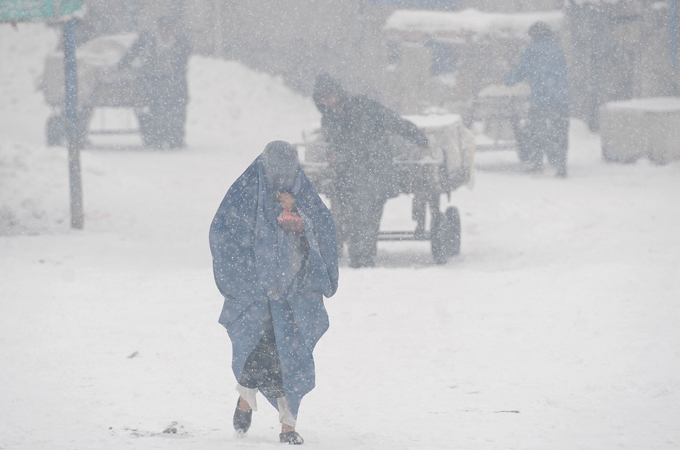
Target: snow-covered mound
[(32, 177), (229, 99)]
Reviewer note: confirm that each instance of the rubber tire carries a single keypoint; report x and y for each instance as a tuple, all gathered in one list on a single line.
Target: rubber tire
[(437, 234), (522, 138), (147, 131), (55, 131), (445, 235), (452, 232)]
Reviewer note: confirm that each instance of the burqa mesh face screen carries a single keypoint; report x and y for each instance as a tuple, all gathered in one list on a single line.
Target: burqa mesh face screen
[(280, 166)]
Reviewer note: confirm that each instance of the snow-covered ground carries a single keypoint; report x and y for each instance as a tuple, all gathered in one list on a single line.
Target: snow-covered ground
[(556, 327)]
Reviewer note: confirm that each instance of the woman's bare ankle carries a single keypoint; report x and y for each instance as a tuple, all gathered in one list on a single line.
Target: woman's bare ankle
[(243, 405), (286, 428)]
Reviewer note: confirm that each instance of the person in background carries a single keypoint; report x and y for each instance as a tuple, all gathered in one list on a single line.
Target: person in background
[(275, 257), (163, 55), (356, 129), (544, 65)]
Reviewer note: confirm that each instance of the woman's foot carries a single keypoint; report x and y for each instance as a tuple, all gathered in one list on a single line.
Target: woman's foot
[(290, 437), (243, 416)]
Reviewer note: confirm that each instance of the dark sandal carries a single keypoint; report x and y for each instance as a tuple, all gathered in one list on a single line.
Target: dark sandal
[(292, 438), (242, 420)]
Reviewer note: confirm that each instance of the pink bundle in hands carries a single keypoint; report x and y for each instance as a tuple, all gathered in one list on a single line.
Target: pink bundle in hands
[(290, 221)]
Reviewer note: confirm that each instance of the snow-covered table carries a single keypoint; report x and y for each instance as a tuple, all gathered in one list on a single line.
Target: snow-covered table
[(635, 128)]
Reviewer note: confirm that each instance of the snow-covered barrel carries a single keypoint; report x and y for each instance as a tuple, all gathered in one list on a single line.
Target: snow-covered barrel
[(636, 128)]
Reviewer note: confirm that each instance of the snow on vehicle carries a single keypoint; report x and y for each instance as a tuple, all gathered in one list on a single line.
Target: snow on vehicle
[(440, 169)]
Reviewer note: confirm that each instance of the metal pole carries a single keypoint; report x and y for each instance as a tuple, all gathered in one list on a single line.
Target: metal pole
[(71, 77), (218, 28), (673, 31), (129, 15)]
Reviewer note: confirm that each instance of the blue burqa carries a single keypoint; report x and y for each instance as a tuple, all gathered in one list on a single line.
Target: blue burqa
[(253, 271)]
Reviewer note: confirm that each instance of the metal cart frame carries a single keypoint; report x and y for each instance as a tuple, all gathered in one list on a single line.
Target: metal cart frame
[(446, 166)]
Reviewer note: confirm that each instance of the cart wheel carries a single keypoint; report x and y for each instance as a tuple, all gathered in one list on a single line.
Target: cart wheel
[(522, 137), (436, 239), (452, 241), (523, 152), (445, 235), (147, 130), (55, 130)]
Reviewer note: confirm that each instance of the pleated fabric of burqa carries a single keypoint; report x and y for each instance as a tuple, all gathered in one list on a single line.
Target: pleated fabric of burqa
[(260, 272)]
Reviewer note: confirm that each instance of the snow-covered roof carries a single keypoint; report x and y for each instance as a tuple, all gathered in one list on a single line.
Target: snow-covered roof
[(593, 2), (651, 104), (102, 51), (470, 21), (501, 90)]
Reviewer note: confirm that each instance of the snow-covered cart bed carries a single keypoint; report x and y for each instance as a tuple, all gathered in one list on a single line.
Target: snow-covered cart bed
[(100, 85), (498, 117), (440, 169)]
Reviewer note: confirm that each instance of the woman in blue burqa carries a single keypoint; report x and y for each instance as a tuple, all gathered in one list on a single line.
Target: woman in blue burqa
[(274, 258)]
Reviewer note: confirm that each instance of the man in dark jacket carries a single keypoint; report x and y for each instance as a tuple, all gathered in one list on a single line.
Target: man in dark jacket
[(544, 66), (162, 83), (356, 129)]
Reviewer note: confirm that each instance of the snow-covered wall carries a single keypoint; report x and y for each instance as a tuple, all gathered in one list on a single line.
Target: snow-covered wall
[(591, 2), (470, 21), (616, 50)]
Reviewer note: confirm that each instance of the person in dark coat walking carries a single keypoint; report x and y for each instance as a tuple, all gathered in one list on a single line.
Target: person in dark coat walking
[(162, 83), (544, 65), (356, 129), (275, 257)]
